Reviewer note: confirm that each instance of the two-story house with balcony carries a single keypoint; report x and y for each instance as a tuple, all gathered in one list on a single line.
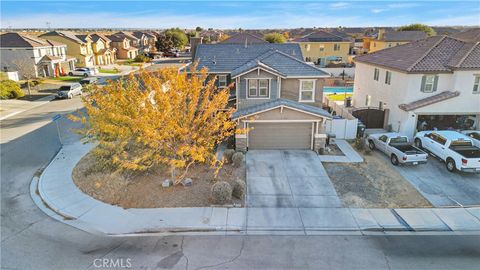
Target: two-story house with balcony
[(79, 46), (124, 49), (322, 47), (278, 96), (104, 53), (431, 83), (33, 57), (146, 42)]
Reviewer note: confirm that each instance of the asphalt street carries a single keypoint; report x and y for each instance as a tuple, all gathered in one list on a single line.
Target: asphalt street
[(32, 240)]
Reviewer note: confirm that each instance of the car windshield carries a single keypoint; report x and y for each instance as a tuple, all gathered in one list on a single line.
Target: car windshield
[(475, 135), (461, 143), (399, 140), (64, 88)]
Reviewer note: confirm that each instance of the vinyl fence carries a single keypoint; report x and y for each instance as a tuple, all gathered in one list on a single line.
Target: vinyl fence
[(343, 128)]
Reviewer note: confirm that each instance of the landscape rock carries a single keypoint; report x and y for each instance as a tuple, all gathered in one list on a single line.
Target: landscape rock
[(187, 182), (167, 183)]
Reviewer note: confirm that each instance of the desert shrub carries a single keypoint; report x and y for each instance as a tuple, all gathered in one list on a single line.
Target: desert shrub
[(10, 89), (360, 144), (237, 159), (221, 192), (228, 155), (238, 189), (142, 58)]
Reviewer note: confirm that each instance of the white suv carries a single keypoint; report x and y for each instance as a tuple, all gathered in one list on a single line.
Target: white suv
[(68, 91)]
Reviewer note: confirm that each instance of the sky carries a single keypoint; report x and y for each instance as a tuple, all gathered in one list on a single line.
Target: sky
[(234, 14)]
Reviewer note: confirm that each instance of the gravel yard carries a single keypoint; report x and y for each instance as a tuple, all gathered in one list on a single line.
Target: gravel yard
[(373, 183)]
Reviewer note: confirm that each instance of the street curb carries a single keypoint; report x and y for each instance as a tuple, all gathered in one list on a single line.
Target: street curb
[(39, 102)]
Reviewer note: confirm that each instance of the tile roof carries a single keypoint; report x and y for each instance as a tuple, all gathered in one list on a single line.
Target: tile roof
[(321, 36), (404, 35), (95, 37), (471, 35), (16, 40), (116, 38), (242, 38), (433, 54), (222, 57), (280, 102), (280, 63), (127, 35), (66, 34), (138, 34), (429, 100)]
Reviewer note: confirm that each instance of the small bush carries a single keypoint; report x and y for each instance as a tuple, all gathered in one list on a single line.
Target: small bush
[(142, 58), (360, 144), (238, 188), (221, 192), (10, 89), (237, 159), (228, 155)]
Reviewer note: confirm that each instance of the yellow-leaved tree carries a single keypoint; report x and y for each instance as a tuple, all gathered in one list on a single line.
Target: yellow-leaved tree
[(165, 117)]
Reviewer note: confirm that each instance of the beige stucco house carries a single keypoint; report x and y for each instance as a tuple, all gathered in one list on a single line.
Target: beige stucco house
[(104, 53), (124, 49), (79, 46)]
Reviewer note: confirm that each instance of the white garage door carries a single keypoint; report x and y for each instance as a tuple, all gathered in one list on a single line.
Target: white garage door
[(280, 136)]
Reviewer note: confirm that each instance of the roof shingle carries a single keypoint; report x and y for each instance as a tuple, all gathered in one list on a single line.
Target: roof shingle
[(280, 102)]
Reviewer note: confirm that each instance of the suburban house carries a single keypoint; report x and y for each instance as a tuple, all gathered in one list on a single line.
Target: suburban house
[(245, 38), (145, 41), (323, 47), (33, 57), (394, 38), (277, 95), (123, 46), (104, 54), (134, 41), (433, 83), (79, 46)]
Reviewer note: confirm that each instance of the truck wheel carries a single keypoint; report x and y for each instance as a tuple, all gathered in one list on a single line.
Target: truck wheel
[(418, 143), (371, 145), (394, 160), (85, 75), (70, 74), (450, 164)]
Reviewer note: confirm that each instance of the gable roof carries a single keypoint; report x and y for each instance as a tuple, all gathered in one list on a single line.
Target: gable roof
[(429, 100), (95, 37), (222, 57), (471, 35), (430, 55), (66, 34), (127, 35), (321, 36), (403, 36), (278, 103), (138, 34), (281, 64), (116, 38), (16, 40), (242, 38)]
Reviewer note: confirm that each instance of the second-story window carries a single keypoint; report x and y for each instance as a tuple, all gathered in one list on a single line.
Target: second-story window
[(476, 85), (336, 47), (258, 88), (429, 83), (307, 91), (307, 47), (376, 74), (222, 80), (388, 77), (322, 48)]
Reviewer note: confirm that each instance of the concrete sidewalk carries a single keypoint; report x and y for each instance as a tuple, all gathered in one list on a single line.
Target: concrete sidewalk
[(56, 194), (350, 155)]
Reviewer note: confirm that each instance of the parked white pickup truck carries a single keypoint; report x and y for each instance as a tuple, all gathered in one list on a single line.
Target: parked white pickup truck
[(397, 147), (455, 149), (474, 136)]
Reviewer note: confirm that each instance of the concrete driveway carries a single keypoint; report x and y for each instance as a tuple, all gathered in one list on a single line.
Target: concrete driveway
[(288, 178), (441, 187)]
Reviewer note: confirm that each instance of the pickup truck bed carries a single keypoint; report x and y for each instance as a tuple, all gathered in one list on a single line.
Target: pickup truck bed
[(407, 149), (467, 151)]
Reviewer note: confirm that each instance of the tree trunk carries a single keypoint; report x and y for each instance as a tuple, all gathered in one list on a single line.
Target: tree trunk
[(28, 87)]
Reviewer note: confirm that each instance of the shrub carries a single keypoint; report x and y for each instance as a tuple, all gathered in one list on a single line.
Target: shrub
[(238, 188), (142, 58), (10, 89), (221, 192), (237, 159), (359, 143), (228, 155)]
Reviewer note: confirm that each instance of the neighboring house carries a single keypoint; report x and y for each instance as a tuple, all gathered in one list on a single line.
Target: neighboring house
[(322, 47), (385, 40), (213, 36), (134, 41), (426, 84), (33, 57), (244, 38), (104, 53), (144, 44), (79, 46), (277, 95), (123, 48)]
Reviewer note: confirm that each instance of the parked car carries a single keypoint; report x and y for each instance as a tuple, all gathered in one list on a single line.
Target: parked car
[(171, 54), (70, 90), (454, 148), (85, 72), (474, 136), (89, 80), (397, 147), (94, 70)]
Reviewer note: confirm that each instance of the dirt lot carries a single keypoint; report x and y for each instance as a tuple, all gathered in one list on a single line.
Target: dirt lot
[(145, 190), (373, 184)]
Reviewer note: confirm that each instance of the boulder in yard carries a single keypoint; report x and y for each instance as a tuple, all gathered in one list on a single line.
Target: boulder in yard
[(167, 183), (187, 182)]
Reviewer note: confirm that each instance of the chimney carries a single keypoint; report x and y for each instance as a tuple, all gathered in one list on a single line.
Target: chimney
[(381, 34), (194, 41)]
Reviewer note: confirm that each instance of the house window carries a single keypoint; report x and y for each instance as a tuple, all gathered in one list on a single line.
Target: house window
[(307, 91), (322, 47), (336, 47), (388, 77), (368, 99), (429, 83), (307, 47), (376, 74), (222, 80), (476, 88), (258, 88)]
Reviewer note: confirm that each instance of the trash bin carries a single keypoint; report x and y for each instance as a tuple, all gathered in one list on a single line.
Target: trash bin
[(360, 129), (348, 102), (331, 138)]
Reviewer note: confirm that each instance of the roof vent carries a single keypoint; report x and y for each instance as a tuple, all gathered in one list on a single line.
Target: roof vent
[(293, 52), (214, 60), (238, 50)]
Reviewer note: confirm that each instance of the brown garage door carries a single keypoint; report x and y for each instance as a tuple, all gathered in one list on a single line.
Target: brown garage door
[(280, 136)]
